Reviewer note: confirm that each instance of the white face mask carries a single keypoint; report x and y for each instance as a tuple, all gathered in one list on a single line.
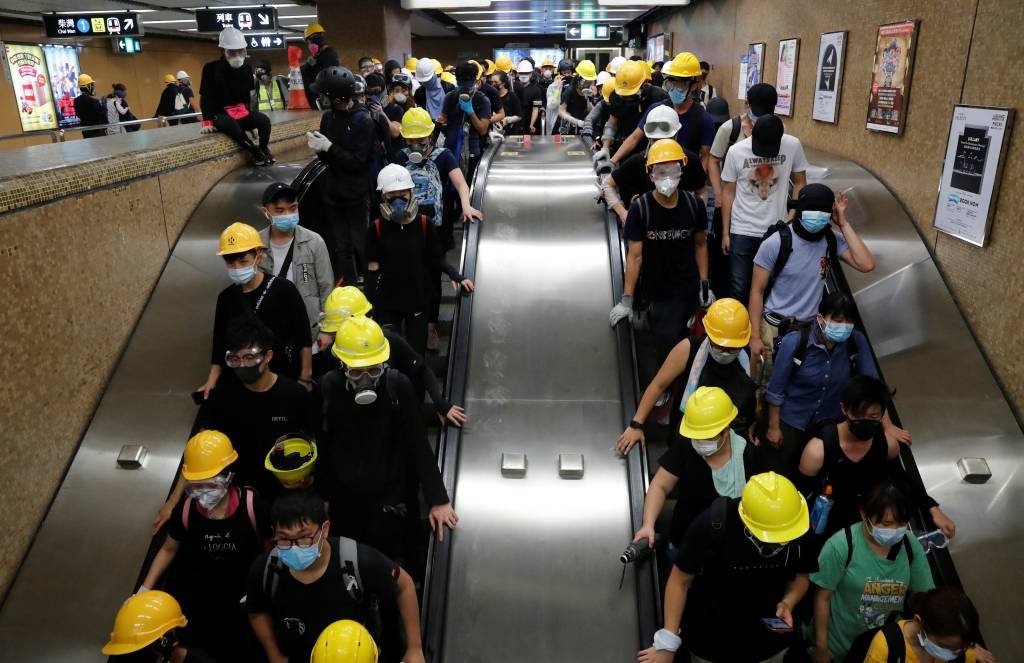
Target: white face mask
[(236, 61), (706, 448), (666, 186), (400, 98), (525, 79)]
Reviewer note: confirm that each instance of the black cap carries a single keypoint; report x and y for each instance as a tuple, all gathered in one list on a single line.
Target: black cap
[(814, 197), (718, 109), (767, 136), (762, 99), (276, 190)]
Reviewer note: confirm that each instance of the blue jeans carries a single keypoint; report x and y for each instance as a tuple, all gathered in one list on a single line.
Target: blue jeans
[(742, 250)]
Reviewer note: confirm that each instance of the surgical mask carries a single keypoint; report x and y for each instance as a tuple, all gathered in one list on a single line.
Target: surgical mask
[(678, 97), (209, 497), (706, 448), (525, 79), (666, 186), (365, 385), (753, 118), (400, 98), (935, 651), (814, 221), (248, 374), (838, 332), (120, 93), (285, 222), (548, 74), (298, 558), (864, 429), (242, 275), (236, 61), (723, 356), (888, 536)]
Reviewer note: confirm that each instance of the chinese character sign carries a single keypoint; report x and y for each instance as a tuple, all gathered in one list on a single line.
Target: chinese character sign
[(31, 87)]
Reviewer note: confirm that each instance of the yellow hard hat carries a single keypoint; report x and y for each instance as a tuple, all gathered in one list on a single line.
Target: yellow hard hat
[(344, 641), (238, 238), (168, 78), (360, 342), (343, 303), (727, 323), (206, 455), (548, 62), (772, 509), (438, 67), (85, 79), (490, 67), (708, 411), (587, 70), (312, 29), (684, 65), (411, 63), (142, 620), (664, 151), (504, 62), (608, 88), (629, 78), (448, 77), (479, 69), (286, 445), (647, 69), (375, 61), (416, 123)]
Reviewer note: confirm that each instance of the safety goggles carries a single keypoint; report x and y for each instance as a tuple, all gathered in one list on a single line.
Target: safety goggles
[(215, 483), (356, 373), (675, 84), (247, 359), (666, 170), (766, 550), (402, 79), (657, 128)]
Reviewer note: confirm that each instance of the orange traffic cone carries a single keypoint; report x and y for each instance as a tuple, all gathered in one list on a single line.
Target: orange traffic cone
[(296, 90)]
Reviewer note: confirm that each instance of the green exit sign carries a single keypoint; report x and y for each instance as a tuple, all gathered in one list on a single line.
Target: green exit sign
[(127, 45), (586, 31)]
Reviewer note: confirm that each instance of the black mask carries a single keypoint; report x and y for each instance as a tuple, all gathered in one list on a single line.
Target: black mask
[(248, 374), (864, 429)]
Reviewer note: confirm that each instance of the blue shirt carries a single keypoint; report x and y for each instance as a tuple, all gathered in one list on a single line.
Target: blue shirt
[(696, 128), (798, 288), (811, 391)]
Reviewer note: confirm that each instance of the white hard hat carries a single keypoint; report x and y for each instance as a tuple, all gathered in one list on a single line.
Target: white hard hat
[(613, 66), (231, 39), (182, 75), (425, 70), (524, 67), (602, 76), (658, 117), (393, 177)]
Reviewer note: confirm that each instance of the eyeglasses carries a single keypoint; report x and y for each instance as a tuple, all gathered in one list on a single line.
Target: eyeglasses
[(302, 541), (246, 359), (356, 373)]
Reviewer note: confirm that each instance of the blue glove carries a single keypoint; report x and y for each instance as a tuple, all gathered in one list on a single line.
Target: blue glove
[(466, 106)]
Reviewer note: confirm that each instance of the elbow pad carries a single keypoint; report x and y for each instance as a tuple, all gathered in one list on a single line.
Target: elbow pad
[(608, 133)]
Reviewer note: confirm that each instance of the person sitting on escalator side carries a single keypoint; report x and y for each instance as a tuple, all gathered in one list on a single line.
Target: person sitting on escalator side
[(741, 571), (147, 627), (374, 450), (404, 256), (213, 535), (792, 263), (721, 359), (667, 251), (851, 455), (225, 94)]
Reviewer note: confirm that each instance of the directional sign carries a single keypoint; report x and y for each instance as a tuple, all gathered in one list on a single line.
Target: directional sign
[(92, 25), (127, 45), (602, 31), (247, 19), (264, 42), (573, 31)]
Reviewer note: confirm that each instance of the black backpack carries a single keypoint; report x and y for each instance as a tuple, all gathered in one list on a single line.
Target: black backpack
[(894, 642), (786, 250), (801, 347)]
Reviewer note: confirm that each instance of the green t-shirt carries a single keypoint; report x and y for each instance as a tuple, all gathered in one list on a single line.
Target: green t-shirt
[(869, 589)]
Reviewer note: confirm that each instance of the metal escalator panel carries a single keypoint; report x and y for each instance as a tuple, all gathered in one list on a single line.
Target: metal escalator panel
[(534, 573)]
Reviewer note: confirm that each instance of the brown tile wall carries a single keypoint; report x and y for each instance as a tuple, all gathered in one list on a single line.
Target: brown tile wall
[(947, 60)]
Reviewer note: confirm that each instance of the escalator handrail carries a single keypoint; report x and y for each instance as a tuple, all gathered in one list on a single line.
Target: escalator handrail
[(435, 584)]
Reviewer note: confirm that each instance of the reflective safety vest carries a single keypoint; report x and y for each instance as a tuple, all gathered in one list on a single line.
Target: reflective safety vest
[(273, 101)]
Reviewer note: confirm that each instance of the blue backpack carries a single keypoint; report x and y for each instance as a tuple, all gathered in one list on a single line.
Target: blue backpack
[(426, 179)]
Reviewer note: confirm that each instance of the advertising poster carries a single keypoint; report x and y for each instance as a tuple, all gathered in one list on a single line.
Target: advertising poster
[(785, 77), (975, 150), (742, 92), (656, 48), (755, 65), (31, 86), (890, 76), (62, 65), (828, 80)]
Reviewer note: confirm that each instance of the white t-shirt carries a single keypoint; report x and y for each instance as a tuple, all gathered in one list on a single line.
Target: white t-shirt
[(279, 252), (762, 184)]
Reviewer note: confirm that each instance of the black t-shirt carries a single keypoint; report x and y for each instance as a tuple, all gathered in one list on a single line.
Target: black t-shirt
[(301, 612), (456, 121), (281, 309), (632, 179), (214, 555), (410, 363), (410, 256), (394, 112), (497, 103), (734, 589), (849, 479), (732, 379), (512, 109), (669, 268), (253, 421), (575, 103), (530, 96)]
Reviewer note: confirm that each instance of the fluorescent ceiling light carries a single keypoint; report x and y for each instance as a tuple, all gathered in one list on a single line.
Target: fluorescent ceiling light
[(582, 11), (660, 3), (529, 20), (112, 11), (443, 4), (299, 16), (179, 20)]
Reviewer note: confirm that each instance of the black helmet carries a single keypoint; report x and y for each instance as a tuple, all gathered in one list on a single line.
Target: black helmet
[(360, 87), (564, 65), (336, 83)]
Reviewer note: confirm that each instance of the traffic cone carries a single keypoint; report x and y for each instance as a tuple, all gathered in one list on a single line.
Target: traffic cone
[(296, 90)]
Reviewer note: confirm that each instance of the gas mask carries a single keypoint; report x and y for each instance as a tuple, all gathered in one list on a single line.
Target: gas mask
[(418, 152), (399, 210), (364, 384)]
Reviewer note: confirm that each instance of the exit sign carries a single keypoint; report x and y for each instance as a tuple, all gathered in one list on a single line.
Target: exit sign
[(587, 31), (127, 45)]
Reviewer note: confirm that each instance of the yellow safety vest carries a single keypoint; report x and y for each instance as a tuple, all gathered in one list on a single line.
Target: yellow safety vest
[(274, 101)]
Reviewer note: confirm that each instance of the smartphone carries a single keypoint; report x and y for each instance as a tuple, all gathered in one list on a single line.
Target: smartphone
[(197, 397), (776, 624)]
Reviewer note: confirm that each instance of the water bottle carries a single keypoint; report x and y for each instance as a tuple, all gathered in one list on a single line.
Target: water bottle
[(819, 514)]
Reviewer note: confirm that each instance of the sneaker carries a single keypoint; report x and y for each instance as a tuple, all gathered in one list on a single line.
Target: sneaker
[(433, 340), (257, 157), (268, 157)]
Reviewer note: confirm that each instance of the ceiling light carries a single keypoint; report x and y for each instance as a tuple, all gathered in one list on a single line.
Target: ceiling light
[(581, 11), (299, 16), (443, 4), (177, 20), (660, 3)]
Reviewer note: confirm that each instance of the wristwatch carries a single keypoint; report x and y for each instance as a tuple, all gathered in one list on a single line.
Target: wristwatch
[(633, 423)]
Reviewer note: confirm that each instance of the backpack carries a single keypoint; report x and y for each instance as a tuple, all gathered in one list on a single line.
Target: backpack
[(426, 179), (186, 510), (801, 349), (179, 103), (894, 642), (786, 249), (734, 132)]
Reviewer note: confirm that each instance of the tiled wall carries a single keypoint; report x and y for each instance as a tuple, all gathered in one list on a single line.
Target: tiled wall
[(950, 67), (77, 273)]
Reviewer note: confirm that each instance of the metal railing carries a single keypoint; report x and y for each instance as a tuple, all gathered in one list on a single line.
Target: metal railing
[(59, 135)]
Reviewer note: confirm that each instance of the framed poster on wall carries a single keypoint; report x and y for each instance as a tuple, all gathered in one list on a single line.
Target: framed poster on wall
[(828, 79), (890, 76), (755, 64), (31, 86), (62, 65), (656, 48), (785, 77), (741, 93), (975, 151)]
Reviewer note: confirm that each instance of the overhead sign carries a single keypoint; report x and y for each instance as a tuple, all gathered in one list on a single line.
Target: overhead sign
[(265, 42), (93, 25), (573, 31), (590, 31), (247, 19), (127, 45), (602, 31)]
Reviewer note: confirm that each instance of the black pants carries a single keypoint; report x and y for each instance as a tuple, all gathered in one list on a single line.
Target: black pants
[(348, 222), (413, 326), (235, 129), (668, 319)]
